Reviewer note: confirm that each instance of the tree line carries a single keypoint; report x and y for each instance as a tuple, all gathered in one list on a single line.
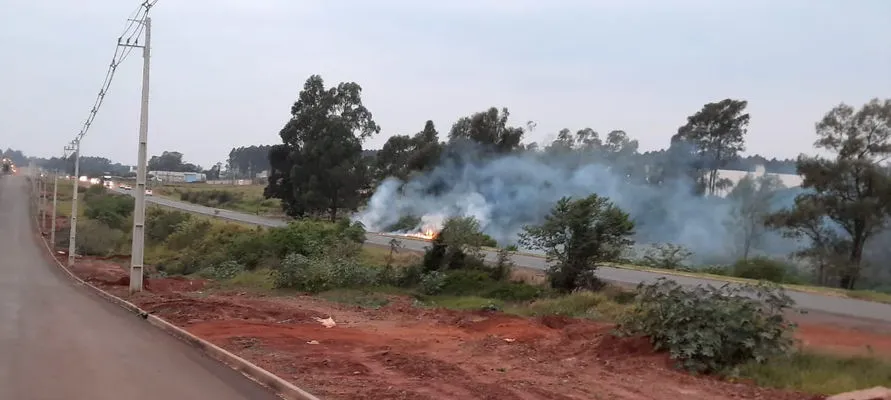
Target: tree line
[(321, 169)]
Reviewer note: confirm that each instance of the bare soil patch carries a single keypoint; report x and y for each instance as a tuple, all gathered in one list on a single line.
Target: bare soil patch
[(401, 351)]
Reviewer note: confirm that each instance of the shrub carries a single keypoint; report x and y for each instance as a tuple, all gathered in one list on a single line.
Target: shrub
[(113, 210), (302, 273), (576, 236), (211, 198), (312, 238), (224, 270), (762, 268), (666, 256), (250, 249), (513, 291), (95, 238), (201, 244), (161, 223), (465, 282), (188, 233), (331, 271), (432, 282), (580, 304), (503, 266), (480, 283), (716, 270), (707, 329)]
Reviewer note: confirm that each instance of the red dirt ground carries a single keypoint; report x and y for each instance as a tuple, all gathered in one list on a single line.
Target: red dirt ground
[(404, 352)]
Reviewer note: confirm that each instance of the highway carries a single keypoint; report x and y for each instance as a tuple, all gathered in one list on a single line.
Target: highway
[(58, 341), (804, 301)]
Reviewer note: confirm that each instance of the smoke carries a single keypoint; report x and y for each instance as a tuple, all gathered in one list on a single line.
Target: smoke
[(505, 193)]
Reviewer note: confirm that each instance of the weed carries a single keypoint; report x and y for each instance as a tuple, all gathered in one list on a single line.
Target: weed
[(707, 329)]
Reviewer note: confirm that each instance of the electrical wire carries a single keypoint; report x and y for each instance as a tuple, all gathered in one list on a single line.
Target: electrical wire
[(126, 42)]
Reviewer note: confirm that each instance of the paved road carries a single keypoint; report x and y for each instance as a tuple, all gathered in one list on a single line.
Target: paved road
[(57, 341), (806, 301)]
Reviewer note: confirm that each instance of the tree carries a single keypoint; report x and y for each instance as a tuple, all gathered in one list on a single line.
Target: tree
[(248, 161), (807, 220), (752, 198), (171, 161), (457, 246), (853, 189), (402, 155), (319, 167), (488, 128), (717, 133), (577, 236)]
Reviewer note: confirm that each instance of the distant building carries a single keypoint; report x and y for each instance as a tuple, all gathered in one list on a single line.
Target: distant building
[(788, 180), (178, 177)]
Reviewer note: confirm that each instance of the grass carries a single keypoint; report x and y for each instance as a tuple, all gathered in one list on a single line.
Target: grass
[(856, 294), (377, 255), (868, 295), (820, 373), (462, 302), (599, 306), (251, 199), (257, 280), (805, 371)]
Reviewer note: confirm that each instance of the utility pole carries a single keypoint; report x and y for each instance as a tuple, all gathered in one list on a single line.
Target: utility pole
[(72, 235), (137, 252), (42, 203), (55, 207)]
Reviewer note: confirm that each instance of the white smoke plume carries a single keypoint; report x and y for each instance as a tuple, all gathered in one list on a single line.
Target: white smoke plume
[(508, 192)]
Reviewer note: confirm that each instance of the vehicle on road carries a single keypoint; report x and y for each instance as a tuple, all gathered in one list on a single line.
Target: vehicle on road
[(126, 187), (6, 167), (148, 192)]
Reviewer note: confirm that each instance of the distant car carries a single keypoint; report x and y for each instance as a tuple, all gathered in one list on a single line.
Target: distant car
[(127, 187), (148, 192)]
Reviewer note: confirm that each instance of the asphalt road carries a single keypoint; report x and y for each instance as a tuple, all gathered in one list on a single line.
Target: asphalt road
[(804, 301), (58, 341)]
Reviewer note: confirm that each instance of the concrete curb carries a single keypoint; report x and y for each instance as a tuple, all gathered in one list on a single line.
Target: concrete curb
[(282, 387)]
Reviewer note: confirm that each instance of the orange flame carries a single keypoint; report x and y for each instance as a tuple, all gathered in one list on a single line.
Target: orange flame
[(426, 234)]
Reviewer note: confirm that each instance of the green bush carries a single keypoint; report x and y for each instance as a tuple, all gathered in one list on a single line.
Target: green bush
[(512, 291), (765, 269), (432, 283), (200, 244), (716, 270), (314, 275), (251, 249), (113, 210), (302, 273), (224, 270), (480, 283), (707, 329), (666, 256), (161, 223), (95, 238), (211, 198), (465, 282), (312, 238)]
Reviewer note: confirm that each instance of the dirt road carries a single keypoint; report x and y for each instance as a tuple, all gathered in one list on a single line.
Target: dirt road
[(57, 341)]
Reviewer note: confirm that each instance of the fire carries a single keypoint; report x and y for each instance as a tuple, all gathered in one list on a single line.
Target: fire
[(427, 233)]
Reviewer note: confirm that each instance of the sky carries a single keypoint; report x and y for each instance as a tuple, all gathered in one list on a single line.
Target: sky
[(224, 73)]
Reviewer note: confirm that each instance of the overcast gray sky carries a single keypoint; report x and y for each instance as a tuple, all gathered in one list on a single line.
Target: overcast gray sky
[(225, 72)]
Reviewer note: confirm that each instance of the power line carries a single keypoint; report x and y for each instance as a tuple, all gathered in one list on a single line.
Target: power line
[(130, 35)]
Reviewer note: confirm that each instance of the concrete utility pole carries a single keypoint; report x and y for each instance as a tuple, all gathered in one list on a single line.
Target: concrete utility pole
[(42, 203), (55, 207), (137, 251), (72, 236)]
